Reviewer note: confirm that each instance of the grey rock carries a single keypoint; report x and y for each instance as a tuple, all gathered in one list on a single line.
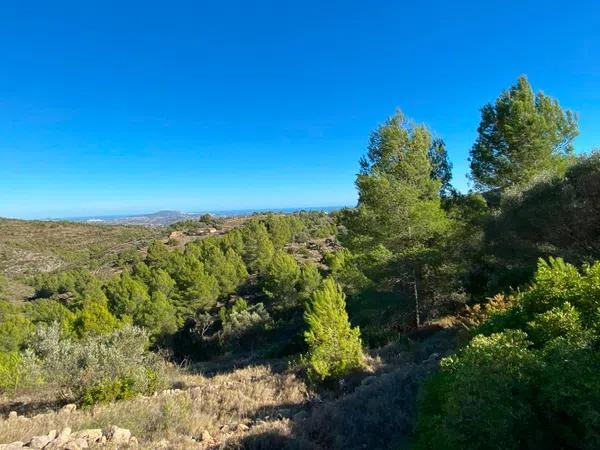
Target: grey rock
[(76, 444), (68, 409), (39, 442), (12, 446), (118, 436), (92, 435)]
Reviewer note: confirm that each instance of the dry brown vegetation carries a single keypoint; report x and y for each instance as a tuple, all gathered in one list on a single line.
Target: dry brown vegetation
[(264, 406)]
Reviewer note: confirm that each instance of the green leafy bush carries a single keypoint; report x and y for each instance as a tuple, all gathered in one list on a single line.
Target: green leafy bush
[(529, 380), (241, 318)]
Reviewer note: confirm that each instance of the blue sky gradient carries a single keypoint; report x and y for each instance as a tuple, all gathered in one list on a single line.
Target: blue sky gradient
[(125, 107)]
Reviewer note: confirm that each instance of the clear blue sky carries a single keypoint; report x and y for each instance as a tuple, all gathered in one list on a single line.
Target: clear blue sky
[(121, 106)]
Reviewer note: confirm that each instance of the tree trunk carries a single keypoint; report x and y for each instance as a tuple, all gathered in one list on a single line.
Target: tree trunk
[(418, 319)]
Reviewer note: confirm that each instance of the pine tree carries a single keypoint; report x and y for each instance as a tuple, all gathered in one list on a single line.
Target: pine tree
[(310, 279), (281, 278), (258, 248), (399, 213), (520, 136), (334, 347)]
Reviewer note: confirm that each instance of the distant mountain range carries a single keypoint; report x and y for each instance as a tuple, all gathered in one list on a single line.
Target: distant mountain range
[(167, 217)]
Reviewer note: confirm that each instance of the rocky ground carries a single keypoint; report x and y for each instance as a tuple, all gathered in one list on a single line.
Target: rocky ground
[(263, 406)]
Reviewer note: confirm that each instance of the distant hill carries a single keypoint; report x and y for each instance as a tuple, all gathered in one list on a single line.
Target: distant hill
[(157, 219), (168, 217), (33, 246)]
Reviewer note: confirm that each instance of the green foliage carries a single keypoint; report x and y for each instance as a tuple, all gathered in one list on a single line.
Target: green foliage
[(482, 397), (129, 258), (11, 370), (258, 248), (74, 282), (227, 267), (126, 294), (97, 368), (334, 347), (279, 230), (197, 289), (520, 136), (107, 391), (157, 255), (156, 279), (310, 280), (281, 278), (399, 225), (551, 216), (233, 240), (530, 379), (157, 316), (94, 319), (14, 327), (240, 319), (47, 311), (3, 285), (441, 167), (345, 270)]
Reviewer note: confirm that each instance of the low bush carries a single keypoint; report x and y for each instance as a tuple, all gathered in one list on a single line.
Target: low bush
[(97, 368), (529, 380)]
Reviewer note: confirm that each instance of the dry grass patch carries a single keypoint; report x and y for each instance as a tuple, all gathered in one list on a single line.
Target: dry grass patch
[(223, 406)]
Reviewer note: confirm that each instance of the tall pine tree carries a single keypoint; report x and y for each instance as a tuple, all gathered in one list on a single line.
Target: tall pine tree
[(520, 136)]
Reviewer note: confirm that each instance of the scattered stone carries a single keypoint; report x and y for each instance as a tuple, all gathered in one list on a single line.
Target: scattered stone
[(118, 436), (60, 440), (76, 444), (12, 415), (242, 427), (68, 409), (12, 446), (133, 442), (92, 435), (39, 442), (171, 392)]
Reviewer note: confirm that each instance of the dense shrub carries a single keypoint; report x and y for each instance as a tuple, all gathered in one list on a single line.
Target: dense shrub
[(241, 319), (14, 327), (530, 379), (258, 247), (97, 368), (11, 370), (334, 347), (281, 278)]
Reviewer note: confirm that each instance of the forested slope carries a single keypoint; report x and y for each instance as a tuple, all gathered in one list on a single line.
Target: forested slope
[(423, 316)]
